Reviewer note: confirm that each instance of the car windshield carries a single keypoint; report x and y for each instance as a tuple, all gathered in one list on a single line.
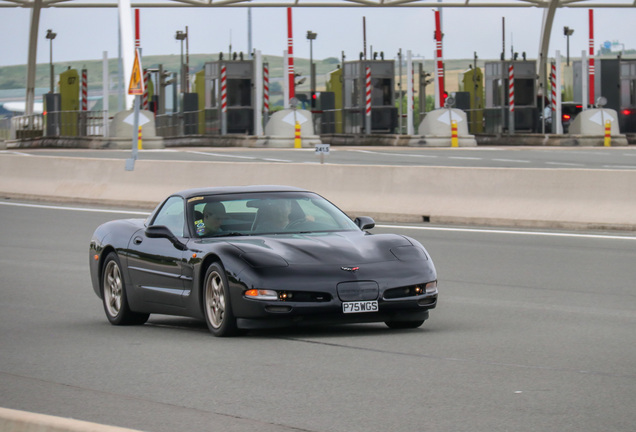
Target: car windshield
[(264, 213)]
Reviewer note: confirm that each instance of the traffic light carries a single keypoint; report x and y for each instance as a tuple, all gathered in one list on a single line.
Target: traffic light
[(426, 78), (313, 99)]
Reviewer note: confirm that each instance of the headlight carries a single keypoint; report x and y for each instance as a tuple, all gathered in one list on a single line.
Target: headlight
[(431, 287), (260, 294)]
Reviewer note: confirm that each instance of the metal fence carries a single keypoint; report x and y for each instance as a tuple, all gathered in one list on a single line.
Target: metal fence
[(5, 128), (28, 126), (202, 122), (58, 123), (207, 122)]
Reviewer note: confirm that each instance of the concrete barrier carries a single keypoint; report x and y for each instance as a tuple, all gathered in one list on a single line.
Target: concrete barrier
[(22, 421), (557, 198)]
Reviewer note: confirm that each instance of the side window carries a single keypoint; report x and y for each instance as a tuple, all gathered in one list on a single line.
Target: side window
[(172, 215)]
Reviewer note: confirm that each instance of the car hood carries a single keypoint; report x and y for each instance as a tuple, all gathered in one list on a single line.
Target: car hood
[(350, 248)]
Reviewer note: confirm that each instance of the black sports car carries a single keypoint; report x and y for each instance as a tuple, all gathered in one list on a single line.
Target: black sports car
[(259, 256)]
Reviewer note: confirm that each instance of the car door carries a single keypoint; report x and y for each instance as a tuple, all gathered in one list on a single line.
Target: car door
[(155, 264)]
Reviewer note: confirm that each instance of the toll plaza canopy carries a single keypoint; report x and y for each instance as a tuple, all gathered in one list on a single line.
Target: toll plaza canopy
[(549, 10), (324, 3)]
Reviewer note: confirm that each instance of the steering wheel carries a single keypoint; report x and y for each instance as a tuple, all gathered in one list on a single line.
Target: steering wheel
[(295, 223)]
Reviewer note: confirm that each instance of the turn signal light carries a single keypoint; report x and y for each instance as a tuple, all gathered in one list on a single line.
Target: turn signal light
[(261, 294)]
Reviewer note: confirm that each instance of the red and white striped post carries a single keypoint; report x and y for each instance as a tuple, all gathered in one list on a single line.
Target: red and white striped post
[(266, 91), (553, 99), (439, 69), (591, 70), (84, 90), (553, 91), (511, 99), (145, 99), (290, 55), (367, 114), (412, 89), (223, 100)]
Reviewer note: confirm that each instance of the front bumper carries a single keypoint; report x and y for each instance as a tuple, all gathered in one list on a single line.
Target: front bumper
[(254, 314)]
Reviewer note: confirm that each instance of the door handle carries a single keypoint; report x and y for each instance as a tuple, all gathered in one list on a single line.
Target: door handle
[(138, 240)]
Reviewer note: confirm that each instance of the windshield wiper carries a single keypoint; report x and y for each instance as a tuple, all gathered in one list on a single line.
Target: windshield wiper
[(229, 234)]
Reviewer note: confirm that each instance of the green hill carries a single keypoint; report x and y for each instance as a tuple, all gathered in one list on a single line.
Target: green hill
[(14, 77)]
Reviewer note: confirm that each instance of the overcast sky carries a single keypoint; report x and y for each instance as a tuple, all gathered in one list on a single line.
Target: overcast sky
[(83, 34)]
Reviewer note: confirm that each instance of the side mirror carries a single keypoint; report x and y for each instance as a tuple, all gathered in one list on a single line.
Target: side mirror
[(162, 231), (365, 222)]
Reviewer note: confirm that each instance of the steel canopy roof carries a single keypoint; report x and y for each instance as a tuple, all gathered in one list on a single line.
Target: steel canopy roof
[(325, 3)]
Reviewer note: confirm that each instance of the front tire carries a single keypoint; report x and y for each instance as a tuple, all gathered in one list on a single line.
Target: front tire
[(216, 303), (114, 295)]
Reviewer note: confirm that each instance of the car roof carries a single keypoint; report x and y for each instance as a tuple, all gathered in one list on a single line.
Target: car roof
[(188, 193)]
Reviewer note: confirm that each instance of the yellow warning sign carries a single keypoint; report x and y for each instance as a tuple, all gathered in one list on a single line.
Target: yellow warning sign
[(136, 86)]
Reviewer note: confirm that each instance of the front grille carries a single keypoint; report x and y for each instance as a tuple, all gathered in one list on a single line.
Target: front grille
[(356, 291)]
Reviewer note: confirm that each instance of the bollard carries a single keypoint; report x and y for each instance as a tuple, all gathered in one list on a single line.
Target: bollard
[(454, 138), (608, 134), (297, 141)]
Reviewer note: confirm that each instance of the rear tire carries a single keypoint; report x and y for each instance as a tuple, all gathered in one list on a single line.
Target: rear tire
[(216, 303), (404, 324), (114, 295)]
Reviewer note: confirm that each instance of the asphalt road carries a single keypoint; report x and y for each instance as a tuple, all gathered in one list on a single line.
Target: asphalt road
[(533, 332), (502, 157)]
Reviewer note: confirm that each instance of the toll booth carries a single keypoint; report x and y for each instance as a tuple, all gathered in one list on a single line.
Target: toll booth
[(473, 84), (334, 86), (240, 96), (52, 113), (70, 102), (615, 80), (526, 112), (384, 113)]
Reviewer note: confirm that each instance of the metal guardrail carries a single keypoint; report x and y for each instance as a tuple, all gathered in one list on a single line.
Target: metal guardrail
[(58, 123), (5, 128), (28, 126), (207, 122)]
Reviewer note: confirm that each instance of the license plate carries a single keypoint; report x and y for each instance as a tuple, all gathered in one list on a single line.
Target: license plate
[(360, 306)]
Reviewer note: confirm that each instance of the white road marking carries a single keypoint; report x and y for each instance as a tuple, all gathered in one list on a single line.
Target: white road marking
[(514, 232), (15, 153), (80, 209), (565, 164), (512, 160), (237, 156), (221, 155), (394, 154)]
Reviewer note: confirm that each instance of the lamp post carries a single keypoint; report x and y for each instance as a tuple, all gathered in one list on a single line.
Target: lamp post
[(567, 31), (50, 36), (311, 36), (181, 36)]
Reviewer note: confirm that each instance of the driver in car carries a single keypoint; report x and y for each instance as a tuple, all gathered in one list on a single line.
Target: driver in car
[(213, 216)]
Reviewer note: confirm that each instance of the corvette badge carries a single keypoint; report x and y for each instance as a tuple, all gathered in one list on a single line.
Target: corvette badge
[(350, 269)]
